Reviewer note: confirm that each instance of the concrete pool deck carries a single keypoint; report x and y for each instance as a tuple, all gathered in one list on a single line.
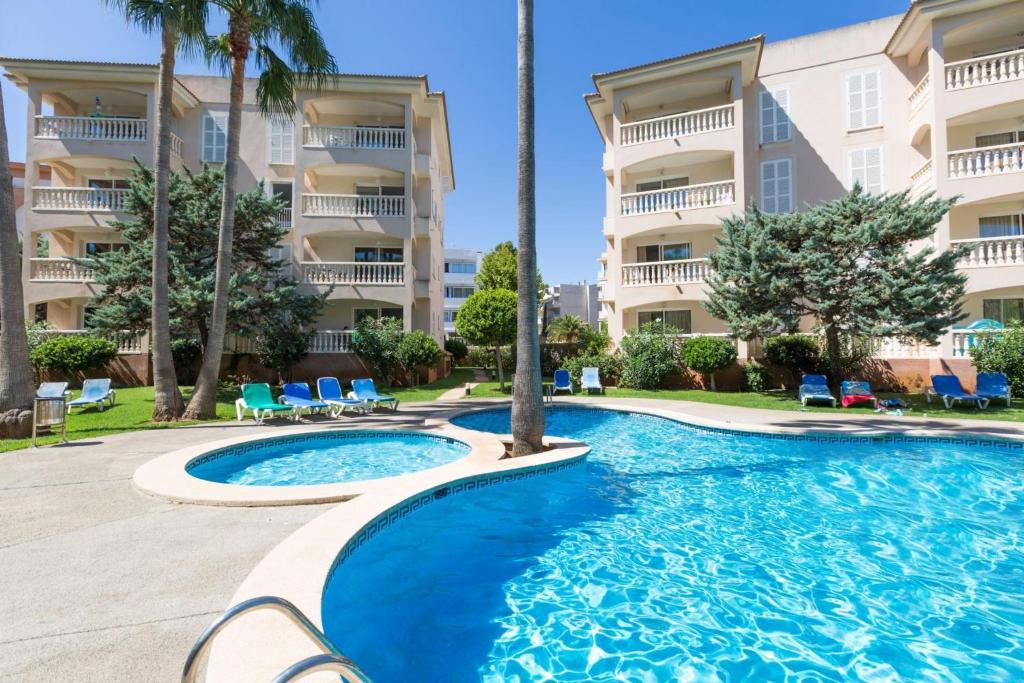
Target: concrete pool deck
[(102, 582)]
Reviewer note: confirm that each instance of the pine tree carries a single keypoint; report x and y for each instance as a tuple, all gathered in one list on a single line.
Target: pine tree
[(263, 293), (859, 266)]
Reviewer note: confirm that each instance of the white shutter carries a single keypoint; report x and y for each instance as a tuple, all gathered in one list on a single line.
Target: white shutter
[(281, 141), (864, 100), (781, 113), (855, 101), (866, 169), (215, 136), (767, 117), (775, 115), (872, 99), (777, 186)]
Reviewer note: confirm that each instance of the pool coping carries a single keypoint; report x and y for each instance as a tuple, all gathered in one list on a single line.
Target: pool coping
[(299, 568)]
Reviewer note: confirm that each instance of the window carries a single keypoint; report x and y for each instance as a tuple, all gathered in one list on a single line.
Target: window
[(777, 186), (1000, 226), (449, 316), (661, 184), (376, 313), (40, 313), (996, 139), (863, 100), (380, 190), (464, 267), (96, 248), (458, 292), (215, 136), (281, 141), (1003, 310), (662, 252), (673, 321), (378, 254), (775, 115), (108, 183), (866, 169)]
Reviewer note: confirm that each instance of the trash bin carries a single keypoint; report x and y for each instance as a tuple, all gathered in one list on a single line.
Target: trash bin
[(47, 414)]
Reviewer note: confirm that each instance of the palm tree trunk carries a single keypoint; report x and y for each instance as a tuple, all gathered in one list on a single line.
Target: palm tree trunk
[(527, 399), (168, 405), (203, 404), (16, 386)]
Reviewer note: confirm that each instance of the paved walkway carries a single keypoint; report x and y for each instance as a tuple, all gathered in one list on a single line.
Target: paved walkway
[(100, 582)]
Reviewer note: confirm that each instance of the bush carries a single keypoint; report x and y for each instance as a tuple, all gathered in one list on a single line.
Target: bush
[(73, 353), (794, 352), (555, 355), (416, 349), (457, 348), (756, 377), (185, 351), (1004, 354), (708, 355), (376, 341), (608, 366), (648, 357)]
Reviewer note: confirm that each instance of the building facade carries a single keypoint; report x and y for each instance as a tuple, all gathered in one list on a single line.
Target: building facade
[(363, 165), (460, 269), (932, 100), (579, 299)]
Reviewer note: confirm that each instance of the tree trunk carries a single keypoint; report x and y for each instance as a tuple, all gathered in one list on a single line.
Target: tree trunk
[(16, 387), (168, 404), (203, 404), (835, 360), (498, 367), (527, 398)]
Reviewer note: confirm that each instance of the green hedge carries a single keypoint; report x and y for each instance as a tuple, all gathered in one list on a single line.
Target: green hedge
[(73, 353)]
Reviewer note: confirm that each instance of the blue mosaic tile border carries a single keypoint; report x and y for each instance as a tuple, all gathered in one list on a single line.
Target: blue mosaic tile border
[(333, 436)]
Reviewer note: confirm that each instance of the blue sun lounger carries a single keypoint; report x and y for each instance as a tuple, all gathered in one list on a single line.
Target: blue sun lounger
[(993, 385), (96, 391), (53, 390), (297, 394), (815, 388), (948, 388), (563, 382), (329, 391), (364, 390), (591, 380)]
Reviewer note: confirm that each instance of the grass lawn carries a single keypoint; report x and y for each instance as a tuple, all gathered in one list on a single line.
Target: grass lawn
[(785, 400), (432, 391)]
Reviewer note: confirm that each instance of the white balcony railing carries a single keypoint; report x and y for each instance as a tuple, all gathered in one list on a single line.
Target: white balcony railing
[(331, 341), (665, 272), (677, 125), (91, 128), (355, 137), (352, 273), (997, 68), (679, 198), (78, 199), (891, 347), (919, 95), (352, 205), (127, 342), (923, 179), (59, 270), (964, 341), (177, 146), (986, 161), (283, 217), (992, 251)]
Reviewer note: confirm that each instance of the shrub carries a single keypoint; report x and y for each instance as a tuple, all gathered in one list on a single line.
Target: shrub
[(609, 367), (480, 357), (794, 352), (376, 341), (648, 357), (488, 318), (1003, 354), (457, 348), (756, 377), (555, 355), (73, 353), (708, 355), (416, 349)]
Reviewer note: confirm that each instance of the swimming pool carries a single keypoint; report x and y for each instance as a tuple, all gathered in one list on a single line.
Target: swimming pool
[(678, 553), (326, 458)]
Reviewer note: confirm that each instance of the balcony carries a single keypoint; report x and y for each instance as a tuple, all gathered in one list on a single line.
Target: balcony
[(997, 68), (665, 272), (353, 137), (677, 125), (920, 94), (986, 161), (922, 180), (678, 198), (78, 199), (90, 128), (177, 147), (988, 252), (353, 206), (283, 217), (323, 341), (58, 270), (353, 273)]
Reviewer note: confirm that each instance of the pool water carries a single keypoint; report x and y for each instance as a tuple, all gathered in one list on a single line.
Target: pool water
[(328, 458), (678, 554)]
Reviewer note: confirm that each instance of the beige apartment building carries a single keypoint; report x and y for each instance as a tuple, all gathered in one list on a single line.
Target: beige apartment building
[(364, 166), (929, 100)]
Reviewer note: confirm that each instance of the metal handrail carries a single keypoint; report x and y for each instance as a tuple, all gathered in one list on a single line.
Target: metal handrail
[(339, 664), (188, 673)]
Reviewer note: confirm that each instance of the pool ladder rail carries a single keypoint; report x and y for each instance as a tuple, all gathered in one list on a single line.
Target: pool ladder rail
[(330, 660)]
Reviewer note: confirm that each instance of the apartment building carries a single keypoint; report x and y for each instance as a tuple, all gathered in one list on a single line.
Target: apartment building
[(460, 269), (579, 299), (930, 100), (364, 166)]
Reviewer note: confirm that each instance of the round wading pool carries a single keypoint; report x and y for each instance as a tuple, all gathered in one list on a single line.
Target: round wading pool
[(326, 458)]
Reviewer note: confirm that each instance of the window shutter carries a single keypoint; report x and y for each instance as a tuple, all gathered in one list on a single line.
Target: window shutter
[(855, 101), (768, 204), (767, 117), (784, 185), (866, 169), (872, 99)]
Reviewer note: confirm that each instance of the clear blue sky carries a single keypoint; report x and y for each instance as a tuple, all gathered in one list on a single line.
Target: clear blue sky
[(467, 48)]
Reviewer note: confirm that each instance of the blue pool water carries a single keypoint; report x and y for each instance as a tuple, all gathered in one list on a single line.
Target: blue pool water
[(328, 458), (676, 554)]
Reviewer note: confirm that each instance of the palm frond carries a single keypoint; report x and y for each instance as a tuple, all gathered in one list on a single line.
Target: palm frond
[(275, 90)]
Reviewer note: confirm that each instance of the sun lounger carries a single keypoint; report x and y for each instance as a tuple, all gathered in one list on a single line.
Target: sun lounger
[(329, 391), (53, 390), (364, 390), (563, 382), (257, 399), (96, 391), (297, 394), (591, 380), (948, 388), (815, 388), (852, 392), (993, 385)]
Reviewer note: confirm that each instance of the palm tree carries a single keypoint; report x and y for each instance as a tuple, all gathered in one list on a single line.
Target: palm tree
[(16, 386), (254, 26), (569, 329), (182, 24), (527, 398)]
